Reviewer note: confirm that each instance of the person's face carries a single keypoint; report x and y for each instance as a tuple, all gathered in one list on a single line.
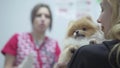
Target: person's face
[(105, 16), (42, 20)]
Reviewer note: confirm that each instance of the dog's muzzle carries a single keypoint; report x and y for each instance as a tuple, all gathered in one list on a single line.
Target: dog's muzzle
[(78, 34)]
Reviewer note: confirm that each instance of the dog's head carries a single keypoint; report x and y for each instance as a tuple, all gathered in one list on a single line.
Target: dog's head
[(81, 28)]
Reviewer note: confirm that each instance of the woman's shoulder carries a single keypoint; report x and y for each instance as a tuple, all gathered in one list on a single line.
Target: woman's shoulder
[(93, 47), (16, 36), (98, 48), (90, 56), (93, 56), (22, 33)]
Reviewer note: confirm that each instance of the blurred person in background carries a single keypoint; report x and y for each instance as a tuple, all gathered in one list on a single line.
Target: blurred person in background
[(44, 49)]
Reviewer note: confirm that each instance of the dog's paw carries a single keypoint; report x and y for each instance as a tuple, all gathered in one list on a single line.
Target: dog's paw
[(93, 42), (60, 65), (72, 49)]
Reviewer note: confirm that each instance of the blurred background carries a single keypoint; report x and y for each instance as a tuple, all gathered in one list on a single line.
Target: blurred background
[(15, 17)]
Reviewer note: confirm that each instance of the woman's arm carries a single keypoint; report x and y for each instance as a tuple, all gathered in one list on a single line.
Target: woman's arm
[(77, 60), (10, 51), (9, 61)]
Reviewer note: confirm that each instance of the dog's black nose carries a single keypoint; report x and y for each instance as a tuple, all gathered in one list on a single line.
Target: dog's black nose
[(77, 32)]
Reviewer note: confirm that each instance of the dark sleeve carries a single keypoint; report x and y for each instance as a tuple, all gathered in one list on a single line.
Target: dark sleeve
[(90, 56), (77, 57)]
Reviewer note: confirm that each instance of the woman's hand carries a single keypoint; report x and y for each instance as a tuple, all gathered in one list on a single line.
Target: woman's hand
[(9, 61)]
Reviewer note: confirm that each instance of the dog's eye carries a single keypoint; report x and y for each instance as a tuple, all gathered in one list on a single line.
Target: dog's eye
[(74, 31), (84, 29)]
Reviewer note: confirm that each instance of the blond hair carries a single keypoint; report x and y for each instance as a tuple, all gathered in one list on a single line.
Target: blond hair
[(114, 32)]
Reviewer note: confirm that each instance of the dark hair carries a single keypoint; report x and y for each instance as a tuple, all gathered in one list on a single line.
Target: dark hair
[(36, 8)]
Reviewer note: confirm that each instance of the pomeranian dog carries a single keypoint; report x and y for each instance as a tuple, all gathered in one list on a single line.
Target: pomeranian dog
[(80, 32), (84, 31)]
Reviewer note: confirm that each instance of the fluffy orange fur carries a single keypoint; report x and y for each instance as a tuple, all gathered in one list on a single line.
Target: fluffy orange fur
[(84, 25)]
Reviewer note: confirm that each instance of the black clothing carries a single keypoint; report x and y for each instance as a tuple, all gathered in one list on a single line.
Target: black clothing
[(93, 56)]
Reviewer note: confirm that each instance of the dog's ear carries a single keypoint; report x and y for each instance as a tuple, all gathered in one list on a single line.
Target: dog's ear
[(88, 17), (71, 22)]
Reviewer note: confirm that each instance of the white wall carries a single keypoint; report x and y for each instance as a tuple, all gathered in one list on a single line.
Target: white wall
[(15, 17)]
